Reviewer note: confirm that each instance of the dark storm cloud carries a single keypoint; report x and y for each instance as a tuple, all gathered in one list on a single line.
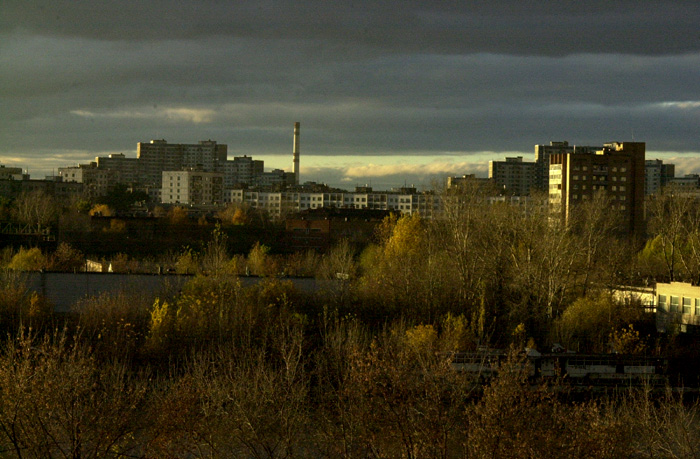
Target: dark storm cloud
[(511, 27), (364, 78)]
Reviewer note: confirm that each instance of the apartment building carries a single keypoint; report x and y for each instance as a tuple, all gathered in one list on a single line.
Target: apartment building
[(128, 168), (193, 187), (657, 175), (617, 169), (157, 156), (544, 152), (241, 170), (280, 203), (96, 181), (513, 177)]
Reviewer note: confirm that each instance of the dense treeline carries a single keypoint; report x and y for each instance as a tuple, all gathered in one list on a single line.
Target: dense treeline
[(362, 367)]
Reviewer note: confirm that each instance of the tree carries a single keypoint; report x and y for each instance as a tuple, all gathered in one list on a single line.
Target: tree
[(215, 259), (36, 208), (101, 210), (595, 224), (57, 402), (28, 260), (260, 263), (234, 214), (587, 324), (121, 198), (66, 258), (668, 219)]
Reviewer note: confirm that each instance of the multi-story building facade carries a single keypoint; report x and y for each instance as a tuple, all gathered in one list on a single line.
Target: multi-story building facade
[(513, 176), (193, 187), (128, 168), (274, 178), (280, 203), (688, 182), (12, 173), (542, 155), (466, 180), (62, 191), (242, 170), (677, 307), (158, 156), (96, 181), (617, 170), (657, 175)]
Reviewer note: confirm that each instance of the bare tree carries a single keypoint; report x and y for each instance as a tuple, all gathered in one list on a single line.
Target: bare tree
[(36, 208)]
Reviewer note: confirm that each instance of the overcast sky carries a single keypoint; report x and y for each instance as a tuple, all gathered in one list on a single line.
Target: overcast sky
[(387, 93)]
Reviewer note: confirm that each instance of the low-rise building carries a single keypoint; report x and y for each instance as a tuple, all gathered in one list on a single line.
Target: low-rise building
[(678, 306)]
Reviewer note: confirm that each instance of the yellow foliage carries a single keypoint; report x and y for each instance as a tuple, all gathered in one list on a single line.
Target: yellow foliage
[(187, 262), (627, 341), (28, 260), (421, 338), (160, 327), (101, 210), (406, 238), (455, 333)]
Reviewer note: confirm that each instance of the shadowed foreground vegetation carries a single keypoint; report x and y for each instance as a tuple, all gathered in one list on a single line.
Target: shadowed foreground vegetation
[(362, 367), (217, 370)]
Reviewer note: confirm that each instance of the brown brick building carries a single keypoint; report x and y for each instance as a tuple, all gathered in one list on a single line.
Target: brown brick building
[(617, 170)]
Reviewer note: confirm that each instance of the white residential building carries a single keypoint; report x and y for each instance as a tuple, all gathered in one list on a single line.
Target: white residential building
[(279, 203), (192, 187)]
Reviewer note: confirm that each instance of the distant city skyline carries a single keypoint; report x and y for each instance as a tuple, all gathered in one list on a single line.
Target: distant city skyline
[(385, 95)]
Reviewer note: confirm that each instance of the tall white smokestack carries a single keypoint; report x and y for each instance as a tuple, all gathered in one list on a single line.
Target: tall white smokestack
[(296, 153)]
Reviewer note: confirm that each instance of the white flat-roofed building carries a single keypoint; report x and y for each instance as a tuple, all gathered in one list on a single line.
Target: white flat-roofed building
[(677, 305), (192, 187)]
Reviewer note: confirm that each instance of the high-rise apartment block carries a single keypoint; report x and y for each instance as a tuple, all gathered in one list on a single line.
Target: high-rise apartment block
[(657, 175), (159, 155), (544, 152), (128, 167), (617, 169), (513, 177), (242, 170)]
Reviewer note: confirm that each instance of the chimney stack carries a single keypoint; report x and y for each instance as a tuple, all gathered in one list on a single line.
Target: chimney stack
[(296, 153)]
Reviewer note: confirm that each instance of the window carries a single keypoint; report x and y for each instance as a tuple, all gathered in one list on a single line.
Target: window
[(697, 306), (674, 304), (686, 305)]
